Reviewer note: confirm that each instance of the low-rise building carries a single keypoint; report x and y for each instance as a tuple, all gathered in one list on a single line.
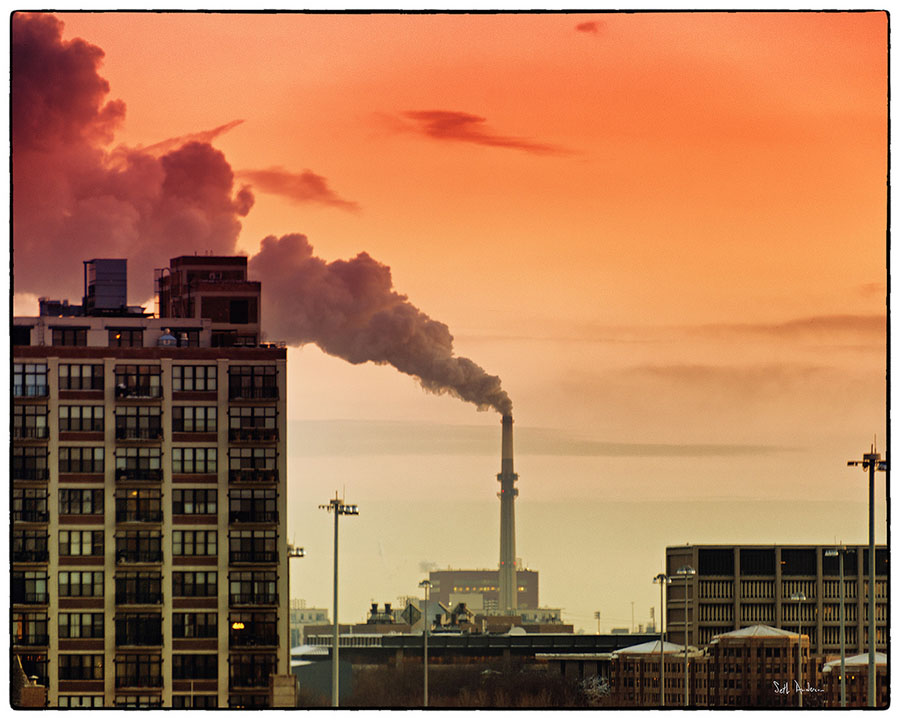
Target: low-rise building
[(857, 681)]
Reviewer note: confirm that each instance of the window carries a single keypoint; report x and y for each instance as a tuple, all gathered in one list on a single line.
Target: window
[(195, 667), (252, 670), (252, 423), (253, 382), (252, 628), (29, 505), (194, 584), (80, 377), (29, 587), (138, 381), (138, 422), (195, 625), (187, 337), (21, 334), (81, 625), (69, 336), (81, 583), (81, 460), (138, 671), (81, 418), (138, 701), (194, 542), (81, 502), (30, 546), (30, 463), (139, 546), (251, 458), (194, 419), (138, 588), (252, 588), (80, 667), (196, 702), (30, 380), (138, 505), (138, 629), (30, 628), (30, 422), (35, 664), (194, 460), (194, 502), (126, 337), (80, 542), (252, 546), (194, 378), (252, 505), (80, 701), (138, 463)]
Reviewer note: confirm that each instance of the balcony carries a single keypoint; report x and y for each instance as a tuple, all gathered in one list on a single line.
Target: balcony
[(124, 557), (251, 434), (31, 640), (251, 556), (30, 556), (138, 474), (139, 681), (140, 635), (139, 516), (31, 433), (138, 392), (31, 473), (253, 599), (247, 638), (35, 516), (253, 393), (250, 677), (31, 390), (139, 598), (254, 475), (130, 433), (253, 516)]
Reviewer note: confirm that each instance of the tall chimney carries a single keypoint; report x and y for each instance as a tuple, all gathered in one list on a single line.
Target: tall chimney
[(507, 495)]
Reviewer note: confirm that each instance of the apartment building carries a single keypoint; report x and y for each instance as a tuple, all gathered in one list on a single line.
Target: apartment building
[(149, 555), (738, 586)]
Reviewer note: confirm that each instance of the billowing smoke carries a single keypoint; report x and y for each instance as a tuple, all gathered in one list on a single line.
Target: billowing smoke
[(74, 199), (350, 309)]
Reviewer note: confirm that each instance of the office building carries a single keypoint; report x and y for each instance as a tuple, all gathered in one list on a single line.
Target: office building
[(149, 563), (738, 586), (480, 589)]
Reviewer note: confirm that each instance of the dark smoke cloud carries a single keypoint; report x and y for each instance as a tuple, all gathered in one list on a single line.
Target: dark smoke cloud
[(73, 199), (350, 309), (298, 187), (460, 126), (594, 27)]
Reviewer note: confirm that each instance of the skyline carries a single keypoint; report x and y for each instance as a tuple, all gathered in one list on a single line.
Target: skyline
[(665, 233)]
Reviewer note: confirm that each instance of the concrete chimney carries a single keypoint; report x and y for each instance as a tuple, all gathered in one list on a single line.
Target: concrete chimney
[(507, 495)]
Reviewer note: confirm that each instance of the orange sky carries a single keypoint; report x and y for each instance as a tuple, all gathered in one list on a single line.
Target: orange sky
[(667, 229)]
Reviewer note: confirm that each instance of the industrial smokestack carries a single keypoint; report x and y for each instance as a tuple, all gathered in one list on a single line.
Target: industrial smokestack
[(507, 495)]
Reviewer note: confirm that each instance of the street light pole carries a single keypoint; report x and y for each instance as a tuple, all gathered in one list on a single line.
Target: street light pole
[(662, 579), (871, 461), (799, 597), (686, 572), (840, 553), (337, 506), (293, 553), (427, 585)]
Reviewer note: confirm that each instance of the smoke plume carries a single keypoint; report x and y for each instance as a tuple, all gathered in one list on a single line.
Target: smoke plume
[(350, 309), (74, 199)]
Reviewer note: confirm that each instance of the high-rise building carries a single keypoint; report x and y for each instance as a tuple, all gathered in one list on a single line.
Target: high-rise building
[(738, 586), (149, 554)]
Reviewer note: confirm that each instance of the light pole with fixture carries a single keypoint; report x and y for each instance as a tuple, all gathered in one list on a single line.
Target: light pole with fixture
[(840, 554), (799, 597), (427, 585), (686, 572), (336, 505), (293, 553), (871, 461), (663, 580)]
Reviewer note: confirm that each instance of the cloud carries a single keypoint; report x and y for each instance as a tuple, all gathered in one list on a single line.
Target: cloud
[(205, 136), (74, 199), (464, 127), (819, 325), (302, 187), (594, 27)]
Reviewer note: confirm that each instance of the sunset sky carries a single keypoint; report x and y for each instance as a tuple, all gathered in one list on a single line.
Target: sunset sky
[(665, 233)]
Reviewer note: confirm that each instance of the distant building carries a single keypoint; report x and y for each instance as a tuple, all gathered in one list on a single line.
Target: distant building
[(451, 587), (301, 617), (634, 675), (857, 681), (739, 586)]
